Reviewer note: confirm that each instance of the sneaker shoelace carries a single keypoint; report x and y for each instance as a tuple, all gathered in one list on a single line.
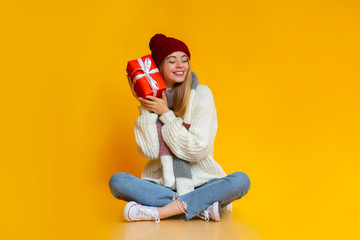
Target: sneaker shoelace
[(206, 215)]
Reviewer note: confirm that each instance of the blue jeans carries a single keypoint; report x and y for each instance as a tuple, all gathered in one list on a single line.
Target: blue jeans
[(224, 190)]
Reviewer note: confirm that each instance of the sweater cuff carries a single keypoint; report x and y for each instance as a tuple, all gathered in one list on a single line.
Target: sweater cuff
[(167, 117), (144, 111)]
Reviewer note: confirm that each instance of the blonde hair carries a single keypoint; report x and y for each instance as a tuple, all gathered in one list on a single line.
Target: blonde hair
[(181, 93)]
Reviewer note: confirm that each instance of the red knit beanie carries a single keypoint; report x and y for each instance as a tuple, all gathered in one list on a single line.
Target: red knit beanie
[(161, 46)]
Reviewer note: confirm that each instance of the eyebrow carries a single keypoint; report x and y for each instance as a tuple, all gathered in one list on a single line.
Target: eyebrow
[(175, 57)]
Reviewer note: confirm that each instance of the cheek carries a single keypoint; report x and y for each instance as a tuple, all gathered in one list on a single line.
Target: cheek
[(167, 70), (187, 66), (165, 67)]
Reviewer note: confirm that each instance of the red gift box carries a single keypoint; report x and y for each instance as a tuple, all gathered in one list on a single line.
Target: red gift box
[(146, 76)]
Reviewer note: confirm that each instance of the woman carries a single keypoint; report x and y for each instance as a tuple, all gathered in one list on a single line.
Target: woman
[(176, 133)]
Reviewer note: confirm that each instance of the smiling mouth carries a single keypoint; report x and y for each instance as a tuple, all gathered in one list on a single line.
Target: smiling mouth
[(179, 73)]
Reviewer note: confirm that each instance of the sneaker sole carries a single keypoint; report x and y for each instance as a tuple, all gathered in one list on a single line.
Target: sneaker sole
[(216, 213)]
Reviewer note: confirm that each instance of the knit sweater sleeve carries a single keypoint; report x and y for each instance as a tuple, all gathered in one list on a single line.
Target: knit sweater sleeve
[(146, 135), (193, 144)]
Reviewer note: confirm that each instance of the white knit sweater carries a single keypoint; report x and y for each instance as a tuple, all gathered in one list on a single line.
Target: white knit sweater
[(195, 145)]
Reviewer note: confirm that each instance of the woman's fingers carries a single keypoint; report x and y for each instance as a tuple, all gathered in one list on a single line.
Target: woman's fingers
[(152, 98), (154, 104), (156, 99), (146, 102)]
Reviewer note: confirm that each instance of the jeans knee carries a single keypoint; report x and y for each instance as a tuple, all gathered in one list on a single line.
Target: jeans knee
[(242, 183), (118, 178)]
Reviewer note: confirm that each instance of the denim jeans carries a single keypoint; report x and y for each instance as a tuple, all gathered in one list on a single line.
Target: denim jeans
[(224, 190)]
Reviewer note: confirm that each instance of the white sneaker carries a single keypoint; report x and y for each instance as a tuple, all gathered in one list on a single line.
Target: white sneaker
[(212, 212), (134, 211)]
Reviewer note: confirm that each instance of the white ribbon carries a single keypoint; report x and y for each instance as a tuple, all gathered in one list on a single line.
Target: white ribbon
[(145, 67)]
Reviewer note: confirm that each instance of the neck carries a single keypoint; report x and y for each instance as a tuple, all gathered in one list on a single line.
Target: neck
[(168, 85)]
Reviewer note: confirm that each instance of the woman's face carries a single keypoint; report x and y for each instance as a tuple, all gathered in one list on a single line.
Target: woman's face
[(174, 68)]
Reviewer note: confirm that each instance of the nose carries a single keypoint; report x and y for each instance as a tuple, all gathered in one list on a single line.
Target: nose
[(179, 64)]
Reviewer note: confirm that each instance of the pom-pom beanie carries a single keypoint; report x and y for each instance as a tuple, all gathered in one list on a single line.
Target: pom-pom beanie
[(161, 46)]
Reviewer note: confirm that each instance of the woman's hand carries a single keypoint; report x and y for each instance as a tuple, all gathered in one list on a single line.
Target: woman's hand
[(154, 104)]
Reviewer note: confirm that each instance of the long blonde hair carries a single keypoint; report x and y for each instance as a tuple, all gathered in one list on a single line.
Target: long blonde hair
[(181, 93)]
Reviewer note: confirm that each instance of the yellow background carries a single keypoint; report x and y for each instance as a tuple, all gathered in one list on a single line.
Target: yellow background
[(284, 75)]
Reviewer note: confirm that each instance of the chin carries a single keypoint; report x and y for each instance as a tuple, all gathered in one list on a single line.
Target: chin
[(180, 81)]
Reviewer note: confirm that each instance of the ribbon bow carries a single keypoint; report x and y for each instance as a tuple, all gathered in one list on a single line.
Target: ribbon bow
[(145, 67)]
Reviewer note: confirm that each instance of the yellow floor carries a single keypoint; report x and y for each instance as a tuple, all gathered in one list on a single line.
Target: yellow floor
[(228, 228), (99, 216), (232, 226), (79, 210)]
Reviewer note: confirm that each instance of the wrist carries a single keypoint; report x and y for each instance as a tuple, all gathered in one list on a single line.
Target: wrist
[(165, 111)]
